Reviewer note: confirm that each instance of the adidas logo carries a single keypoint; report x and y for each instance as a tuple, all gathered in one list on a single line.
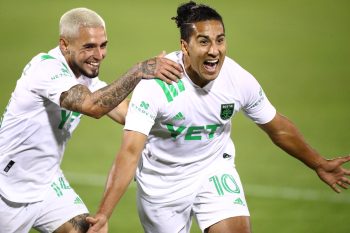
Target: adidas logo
[(239, 201), (179, 117), (78, 201)]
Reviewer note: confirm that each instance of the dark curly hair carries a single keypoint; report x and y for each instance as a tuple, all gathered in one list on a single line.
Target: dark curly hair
[(191, 12)]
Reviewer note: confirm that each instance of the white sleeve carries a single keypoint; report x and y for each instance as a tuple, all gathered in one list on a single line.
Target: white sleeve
[(143, 107), (50, 78), (256, 105)]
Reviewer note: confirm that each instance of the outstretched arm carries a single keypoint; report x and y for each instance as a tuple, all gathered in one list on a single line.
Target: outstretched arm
[(122, 172), (96, 104), (286, 136)]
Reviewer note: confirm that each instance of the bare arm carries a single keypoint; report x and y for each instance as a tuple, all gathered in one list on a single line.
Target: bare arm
[(96, 104), (286, 136), (118, 114), (122, 172)]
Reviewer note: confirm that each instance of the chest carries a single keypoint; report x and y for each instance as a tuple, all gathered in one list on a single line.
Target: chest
[(198, 114)]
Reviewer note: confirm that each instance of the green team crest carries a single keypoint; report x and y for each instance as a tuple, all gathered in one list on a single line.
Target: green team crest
[(226, 111)]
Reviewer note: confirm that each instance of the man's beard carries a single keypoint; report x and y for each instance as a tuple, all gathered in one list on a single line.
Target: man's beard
[(94, 75), (83, 72)]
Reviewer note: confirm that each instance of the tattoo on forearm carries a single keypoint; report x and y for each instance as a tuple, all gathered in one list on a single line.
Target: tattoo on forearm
[(79, 223), (111, 96)]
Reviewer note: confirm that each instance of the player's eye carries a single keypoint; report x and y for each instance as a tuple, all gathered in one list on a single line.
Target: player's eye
[(203, 42), (88, 46), (221, 40), (103, 46)]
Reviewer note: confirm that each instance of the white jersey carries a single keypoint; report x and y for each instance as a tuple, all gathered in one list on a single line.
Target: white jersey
[(189, 127), (34, 129)]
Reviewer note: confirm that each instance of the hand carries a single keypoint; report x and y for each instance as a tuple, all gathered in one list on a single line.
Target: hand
[(333, 174), (161, 67), (98, 224)]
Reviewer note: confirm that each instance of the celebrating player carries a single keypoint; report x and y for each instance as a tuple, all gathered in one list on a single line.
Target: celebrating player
[(55, 89), (177, 138)]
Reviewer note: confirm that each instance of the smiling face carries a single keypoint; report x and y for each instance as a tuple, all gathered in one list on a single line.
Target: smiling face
[(85, 53), (205, 51)]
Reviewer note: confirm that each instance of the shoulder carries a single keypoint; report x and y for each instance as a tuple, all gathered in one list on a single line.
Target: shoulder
[(232, 66), (237, 73), (148, 87), (158, 91), (47, 67), (45, 60), (175, 56)]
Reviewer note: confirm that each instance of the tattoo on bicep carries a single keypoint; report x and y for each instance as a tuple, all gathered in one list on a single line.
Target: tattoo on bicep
[(73, 98), (79, 223)]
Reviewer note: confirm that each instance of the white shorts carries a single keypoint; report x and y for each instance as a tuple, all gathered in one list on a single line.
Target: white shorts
[(221, 196), (60, 204)]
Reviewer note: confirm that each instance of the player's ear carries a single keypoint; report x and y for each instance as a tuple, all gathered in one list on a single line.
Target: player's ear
[(184, 47), (63, 43)]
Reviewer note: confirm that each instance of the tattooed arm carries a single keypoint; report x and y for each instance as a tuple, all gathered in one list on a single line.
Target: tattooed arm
[(76, 224), (96, 104)]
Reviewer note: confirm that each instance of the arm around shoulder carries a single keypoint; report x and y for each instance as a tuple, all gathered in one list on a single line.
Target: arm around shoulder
[(102, 101)]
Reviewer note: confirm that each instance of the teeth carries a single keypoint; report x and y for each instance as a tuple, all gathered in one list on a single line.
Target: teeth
[(212, 61), (93, 63)]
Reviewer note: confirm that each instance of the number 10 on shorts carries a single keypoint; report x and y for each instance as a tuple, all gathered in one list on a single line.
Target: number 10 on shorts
[(225, 183)]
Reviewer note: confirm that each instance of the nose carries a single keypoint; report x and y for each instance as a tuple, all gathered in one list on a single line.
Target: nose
[(99, 53), (213, 50)]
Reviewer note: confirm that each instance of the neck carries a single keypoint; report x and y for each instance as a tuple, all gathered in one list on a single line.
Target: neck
[(67, 57)]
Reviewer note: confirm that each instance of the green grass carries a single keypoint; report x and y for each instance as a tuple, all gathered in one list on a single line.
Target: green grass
[(298, 50)]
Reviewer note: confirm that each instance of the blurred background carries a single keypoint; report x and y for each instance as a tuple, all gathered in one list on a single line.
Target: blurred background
[(298, 50)]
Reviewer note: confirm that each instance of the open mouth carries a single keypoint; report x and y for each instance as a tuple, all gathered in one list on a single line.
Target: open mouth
[(210, 65)]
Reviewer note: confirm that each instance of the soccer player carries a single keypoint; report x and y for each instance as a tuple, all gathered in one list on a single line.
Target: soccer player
[(177, 138), (55, 89)]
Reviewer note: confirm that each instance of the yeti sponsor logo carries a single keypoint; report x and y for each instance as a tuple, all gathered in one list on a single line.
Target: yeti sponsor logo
[(226, 111)]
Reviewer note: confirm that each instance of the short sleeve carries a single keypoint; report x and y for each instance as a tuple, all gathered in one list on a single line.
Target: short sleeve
[(49, 78), (256, 104), (143, 107)]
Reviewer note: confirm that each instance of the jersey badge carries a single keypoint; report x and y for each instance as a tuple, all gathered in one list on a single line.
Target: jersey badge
[(226, 111)]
